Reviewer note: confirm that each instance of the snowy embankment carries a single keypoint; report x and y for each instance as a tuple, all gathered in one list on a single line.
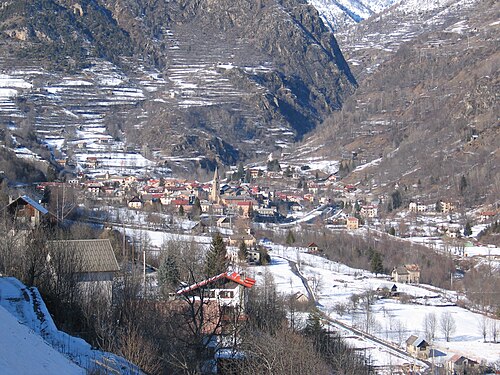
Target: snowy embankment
[(22, 351), (30, 342)]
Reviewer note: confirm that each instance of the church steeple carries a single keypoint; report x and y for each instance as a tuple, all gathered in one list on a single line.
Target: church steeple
[(215, 193)]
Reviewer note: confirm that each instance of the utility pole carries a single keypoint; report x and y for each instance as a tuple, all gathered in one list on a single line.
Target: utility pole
[(123, 242), (144, 267)]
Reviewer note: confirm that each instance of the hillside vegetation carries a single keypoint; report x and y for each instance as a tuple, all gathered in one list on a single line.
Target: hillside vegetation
[(429, 109)]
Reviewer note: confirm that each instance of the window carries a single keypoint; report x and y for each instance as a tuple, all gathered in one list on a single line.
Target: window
[(226, 294)]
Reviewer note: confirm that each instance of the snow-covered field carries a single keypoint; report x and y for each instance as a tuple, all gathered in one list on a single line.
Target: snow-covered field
[(390, 318)]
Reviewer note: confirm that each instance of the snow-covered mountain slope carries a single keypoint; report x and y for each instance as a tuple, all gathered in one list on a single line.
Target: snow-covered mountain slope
[(339, 14), (30, 343)]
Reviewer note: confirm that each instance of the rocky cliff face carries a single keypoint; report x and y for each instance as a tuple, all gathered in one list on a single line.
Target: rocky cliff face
[(238, 77)]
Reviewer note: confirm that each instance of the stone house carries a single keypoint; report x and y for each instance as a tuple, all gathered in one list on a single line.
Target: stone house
[(417, 207), (409, 273), (400, 275), (248, 239), (135, 203), (369, 211), (352, 223)]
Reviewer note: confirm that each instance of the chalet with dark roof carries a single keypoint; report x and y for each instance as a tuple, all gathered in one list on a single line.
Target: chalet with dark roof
[(25, 210), (417, 347), (92, 261)]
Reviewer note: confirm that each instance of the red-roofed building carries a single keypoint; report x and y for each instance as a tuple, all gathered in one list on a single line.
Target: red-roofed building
[(179, 202), (313, 248), (487, 215), (349, 188), (227, 288), (244, 207)]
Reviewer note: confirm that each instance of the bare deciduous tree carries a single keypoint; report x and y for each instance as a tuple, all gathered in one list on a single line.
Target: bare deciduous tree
[(430, 325), (282, 353), (447, 325), (134, 347), (483, 326), (494, 330)]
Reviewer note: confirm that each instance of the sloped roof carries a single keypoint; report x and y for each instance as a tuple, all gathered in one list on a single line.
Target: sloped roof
[(400, 270), (410, 340), (92, 255), (37, 206), (460, 360), (231, 276), (412, 267), (241, 237), (416, 341)]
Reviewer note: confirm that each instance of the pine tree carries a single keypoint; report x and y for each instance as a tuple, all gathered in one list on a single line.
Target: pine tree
[(313, 327), (181, 210), (264, 256), (290, 238), (396, 199), (248, 176), (315, 331), (216, 260), (376, 263), (168, 273), (357, 207), (242, 251), (241, 172), (438, 206), (196, 212), (467, 229), (463, 185)]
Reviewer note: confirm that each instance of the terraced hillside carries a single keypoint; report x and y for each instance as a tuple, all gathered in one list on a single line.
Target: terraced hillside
[(199, 81)]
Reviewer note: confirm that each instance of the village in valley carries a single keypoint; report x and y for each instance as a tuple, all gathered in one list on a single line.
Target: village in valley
[(281, 221)]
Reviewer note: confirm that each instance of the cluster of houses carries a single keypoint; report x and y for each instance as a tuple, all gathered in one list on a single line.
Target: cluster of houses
[(93, 261), (420, 348)]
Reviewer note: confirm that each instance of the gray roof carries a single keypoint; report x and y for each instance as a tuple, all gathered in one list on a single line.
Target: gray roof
[(36, 205), (401, 271), (94, 255)]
